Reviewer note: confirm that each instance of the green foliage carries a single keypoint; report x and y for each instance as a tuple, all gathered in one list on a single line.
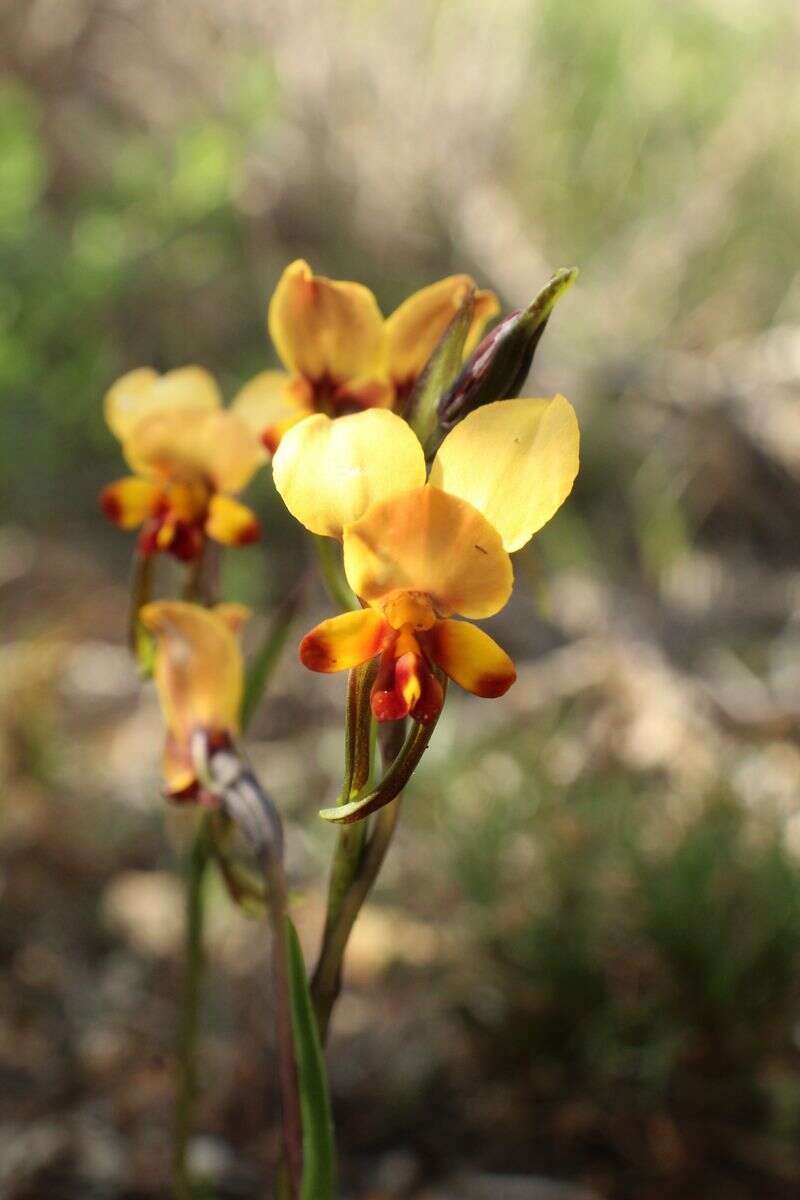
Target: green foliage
[(319, 1159), (266, 658), (613, 948), (22, 160), (724, 918)]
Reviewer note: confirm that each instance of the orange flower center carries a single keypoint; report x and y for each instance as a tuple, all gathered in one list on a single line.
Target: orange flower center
[(177, 525), (411, 608)]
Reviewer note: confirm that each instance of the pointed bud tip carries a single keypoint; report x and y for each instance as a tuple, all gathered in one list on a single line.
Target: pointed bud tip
[(542, 305)]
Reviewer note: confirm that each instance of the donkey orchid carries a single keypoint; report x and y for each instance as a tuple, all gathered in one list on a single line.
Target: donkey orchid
[(199, 677), (190, 457), (418, 552), (341, 355)]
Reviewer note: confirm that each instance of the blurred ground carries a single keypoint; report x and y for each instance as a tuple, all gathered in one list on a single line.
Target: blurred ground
[(582, 959)]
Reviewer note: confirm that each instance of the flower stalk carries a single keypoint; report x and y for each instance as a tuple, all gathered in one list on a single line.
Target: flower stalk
[(350, 848), (245, 802), (362, 871), (372, 800), (141, 590), (188, 1034)]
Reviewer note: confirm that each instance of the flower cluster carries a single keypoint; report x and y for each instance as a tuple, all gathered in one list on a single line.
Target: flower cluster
[(423, 544), (404, 441)]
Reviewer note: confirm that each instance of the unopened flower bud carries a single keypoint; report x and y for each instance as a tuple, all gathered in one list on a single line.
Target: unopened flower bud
[(499, 366)]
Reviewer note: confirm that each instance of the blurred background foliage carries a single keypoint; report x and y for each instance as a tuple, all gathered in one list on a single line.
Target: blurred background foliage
[(584, 955)]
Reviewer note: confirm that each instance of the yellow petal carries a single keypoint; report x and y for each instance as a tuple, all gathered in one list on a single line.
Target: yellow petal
[(330, 472), (235, 616), (427, 541), (414, 328), (471, 658), (515, 460), (143, 392), (198, 672), (180, 779), (195, 444), (325, 328), (130, 501), (343, 642), (231, 523), (271, 403)]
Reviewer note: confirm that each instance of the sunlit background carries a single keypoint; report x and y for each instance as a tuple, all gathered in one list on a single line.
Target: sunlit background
[(582, 962)]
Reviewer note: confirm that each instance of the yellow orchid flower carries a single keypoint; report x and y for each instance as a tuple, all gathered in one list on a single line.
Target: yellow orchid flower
[(190, 457), (199, 675), (418, 552), (340, 354)]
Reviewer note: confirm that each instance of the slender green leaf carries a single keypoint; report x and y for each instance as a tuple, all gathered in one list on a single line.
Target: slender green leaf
[(266, 659), (329, 557), (319, 1156)]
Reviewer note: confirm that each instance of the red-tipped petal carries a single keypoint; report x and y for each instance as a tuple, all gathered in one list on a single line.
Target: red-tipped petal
[(231, 523), (471, 658), (343, 642), (130, 501)]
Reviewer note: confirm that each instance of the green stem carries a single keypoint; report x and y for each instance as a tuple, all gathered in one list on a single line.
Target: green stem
[(200, 585), (190, 1009), (342, 912), (392, 783), (350, 842), (247, 804), (141, 590), (284, 1033), (268, 656), (330, 566)]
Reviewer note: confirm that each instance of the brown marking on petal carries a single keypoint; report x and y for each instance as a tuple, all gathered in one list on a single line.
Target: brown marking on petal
[(147, 542), (270, 439), (109, 503), (489, 687), (184, 795), (186, 543), (402, 392), (367, 395), (316, 653), (249, 534), (217, 740)]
